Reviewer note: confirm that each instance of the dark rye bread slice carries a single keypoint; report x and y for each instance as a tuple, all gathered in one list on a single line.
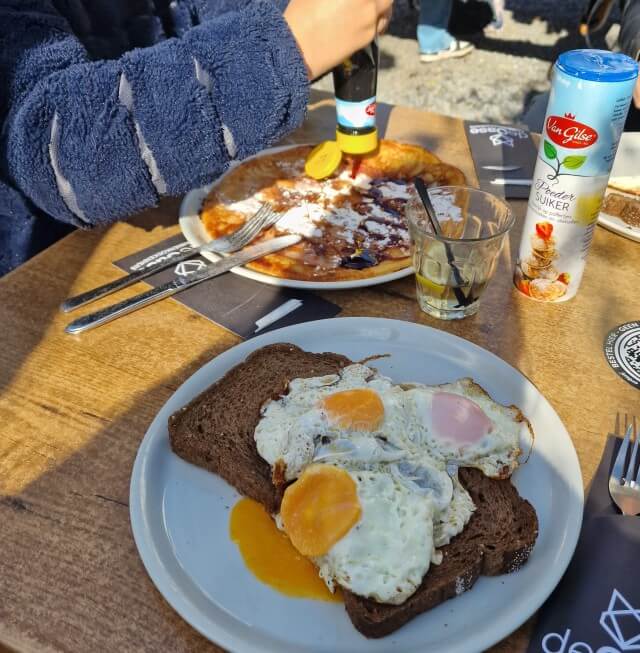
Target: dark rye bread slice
[(497, 540), (215, 430)]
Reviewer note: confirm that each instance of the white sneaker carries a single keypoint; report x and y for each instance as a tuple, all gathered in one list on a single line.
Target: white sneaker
[(456, 49)]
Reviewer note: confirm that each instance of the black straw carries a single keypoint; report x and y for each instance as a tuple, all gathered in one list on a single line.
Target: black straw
[(421, 187)]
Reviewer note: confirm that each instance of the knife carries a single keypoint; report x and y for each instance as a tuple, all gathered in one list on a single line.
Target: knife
[(502, 168), (511, 182), (184, 251), (181, 283)]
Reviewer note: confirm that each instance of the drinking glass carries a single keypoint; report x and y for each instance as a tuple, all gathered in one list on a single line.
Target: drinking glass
[(453, 268)]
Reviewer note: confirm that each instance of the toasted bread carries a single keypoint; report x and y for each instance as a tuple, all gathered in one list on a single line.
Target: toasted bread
[(497, 540), (626, 184), (216, 431)]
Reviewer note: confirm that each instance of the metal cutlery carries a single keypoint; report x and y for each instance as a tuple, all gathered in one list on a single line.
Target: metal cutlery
[(502, 168), (511, 182), (181, 283), (265, 217), (624, 481)]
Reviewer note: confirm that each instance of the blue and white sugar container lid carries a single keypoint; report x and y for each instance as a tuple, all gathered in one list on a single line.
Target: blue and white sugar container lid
[(590, 96)]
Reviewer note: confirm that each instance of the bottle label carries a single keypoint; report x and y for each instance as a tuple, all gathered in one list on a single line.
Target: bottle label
[(356, 115), (579, 140)]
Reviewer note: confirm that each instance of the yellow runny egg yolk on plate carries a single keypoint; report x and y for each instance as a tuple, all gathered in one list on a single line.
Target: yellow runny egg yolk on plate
[(320, 508), (270, 556), (360, 409)]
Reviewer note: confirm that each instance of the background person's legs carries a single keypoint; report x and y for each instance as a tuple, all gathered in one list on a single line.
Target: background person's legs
[(434, 40), (432, 26)]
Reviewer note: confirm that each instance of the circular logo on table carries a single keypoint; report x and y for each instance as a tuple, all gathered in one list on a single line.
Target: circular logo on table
[(622, 349)]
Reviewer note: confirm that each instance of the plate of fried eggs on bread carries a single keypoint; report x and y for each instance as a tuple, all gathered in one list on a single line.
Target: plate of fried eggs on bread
[(356, 484)]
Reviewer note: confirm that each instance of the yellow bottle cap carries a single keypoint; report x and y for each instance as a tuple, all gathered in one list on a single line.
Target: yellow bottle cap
[(357, 143), (323, 160)]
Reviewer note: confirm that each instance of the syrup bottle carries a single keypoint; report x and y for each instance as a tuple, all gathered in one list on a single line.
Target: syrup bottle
[(355, 81)]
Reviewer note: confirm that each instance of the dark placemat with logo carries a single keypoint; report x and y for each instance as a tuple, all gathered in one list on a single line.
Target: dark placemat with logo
[(241, 305), (501, 152), (596, 606)]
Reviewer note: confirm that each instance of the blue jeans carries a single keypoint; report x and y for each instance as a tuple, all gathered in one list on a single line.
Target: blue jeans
[(432, 26)]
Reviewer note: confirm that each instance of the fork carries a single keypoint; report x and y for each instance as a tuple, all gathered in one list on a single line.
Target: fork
[(265, 217), (624, 486)]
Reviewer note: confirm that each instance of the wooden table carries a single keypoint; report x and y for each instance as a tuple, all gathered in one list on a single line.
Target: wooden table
[(73, 410)]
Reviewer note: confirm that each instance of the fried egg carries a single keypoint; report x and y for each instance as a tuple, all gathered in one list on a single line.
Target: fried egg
[(373, 464), (361, 415), (388, 549), (355, 404), (459, 422)]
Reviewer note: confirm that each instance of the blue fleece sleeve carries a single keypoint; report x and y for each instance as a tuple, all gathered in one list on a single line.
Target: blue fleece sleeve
[(90, 142), (212, 8)]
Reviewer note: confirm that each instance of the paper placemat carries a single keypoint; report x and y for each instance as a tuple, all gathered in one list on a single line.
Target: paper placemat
[(243, 306), (596, 606), (508, 151)]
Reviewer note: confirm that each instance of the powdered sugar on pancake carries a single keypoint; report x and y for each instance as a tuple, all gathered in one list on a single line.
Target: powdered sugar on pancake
[(345, 218), (247, 207), (446, 209), (303, 220), (374, 227), (351, 208), (394, 190)]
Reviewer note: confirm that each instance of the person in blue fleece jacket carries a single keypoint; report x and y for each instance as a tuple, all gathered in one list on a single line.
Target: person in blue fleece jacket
[(107, 105)]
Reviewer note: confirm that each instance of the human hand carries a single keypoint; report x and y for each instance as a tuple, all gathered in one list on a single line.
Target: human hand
[(384, 20), (636, 94), (328, 32)]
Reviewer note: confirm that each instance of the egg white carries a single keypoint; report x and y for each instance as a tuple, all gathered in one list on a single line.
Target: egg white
[(451, 521), (388, 551), (495, 454)]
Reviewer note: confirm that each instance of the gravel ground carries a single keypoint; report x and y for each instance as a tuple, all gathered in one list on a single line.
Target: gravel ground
[(499, 79)]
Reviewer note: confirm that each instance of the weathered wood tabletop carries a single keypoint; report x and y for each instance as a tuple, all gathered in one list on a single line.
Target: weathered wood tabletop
[(74, 409)]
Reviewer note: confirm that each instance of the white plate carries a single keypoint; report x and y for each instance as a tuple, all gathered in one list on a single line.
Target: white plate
[(612, 223), (180, 513), (627, 164), (195, 233)]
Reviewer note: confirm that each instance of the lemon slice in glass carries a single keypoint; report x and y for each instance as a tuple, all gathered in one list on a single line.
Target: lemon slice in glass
[(430, 287)]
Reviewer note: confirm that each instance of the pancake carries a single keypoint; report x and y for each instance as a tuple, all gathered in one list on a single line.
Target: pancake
[(352, 223)]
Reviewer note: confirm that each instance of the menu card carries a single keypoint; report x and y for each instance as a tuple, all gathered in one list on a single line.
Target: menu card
[(596, 606), (501, 152), (243, 306)]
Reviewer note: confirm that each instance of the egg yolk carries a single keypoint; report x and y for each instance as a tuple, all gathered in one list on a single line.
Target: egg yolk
[(359, 410), (270, 556), (459, 419), (320, 508)]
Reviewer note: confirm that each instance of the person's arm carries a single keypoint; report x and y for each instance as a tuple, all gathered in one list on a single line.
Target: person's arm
[(90, 142)]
